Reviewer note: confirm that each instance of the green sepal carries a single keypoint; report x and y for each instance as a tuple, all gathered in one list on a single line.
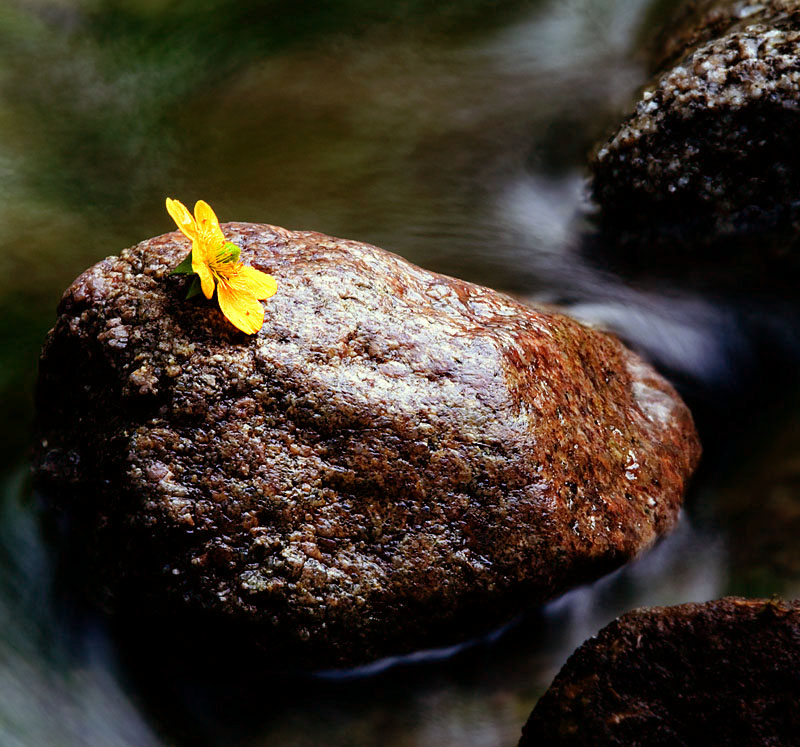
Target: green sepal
[(229, 252), (194, 288), (185, 267)]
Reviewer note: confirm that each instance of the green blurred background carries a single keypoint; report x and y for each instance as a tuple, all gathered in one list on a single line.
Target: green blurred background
[(453, 133)]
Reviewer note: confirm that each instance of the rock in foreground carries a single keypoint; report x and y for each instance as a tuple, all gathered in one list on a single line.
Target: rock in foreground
[(397, 460), (724, 672)]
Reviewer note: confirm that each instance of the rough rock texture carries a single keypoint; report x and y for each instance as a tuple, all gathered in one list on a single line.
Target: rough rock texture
[(397, 460), (708, 166), (723, 672), (694, 22)]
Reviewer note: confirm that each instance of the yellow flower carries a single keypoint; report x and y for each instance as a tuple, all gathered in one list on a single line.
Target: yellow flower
[(216, 262)]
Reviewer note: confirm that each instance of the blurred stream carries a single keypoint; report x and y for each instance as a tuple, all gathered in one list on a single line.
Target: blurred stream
[(453, 134)]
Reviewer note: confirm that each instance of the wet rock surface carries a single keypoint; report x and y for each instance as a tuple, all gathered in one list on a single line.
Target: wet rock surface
[(397, 460), (724, 671), (707, 168)]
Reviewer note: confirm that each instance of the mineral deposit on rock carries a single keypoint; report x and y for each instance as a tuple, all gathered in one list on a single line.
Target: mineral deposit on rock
[(710, 159), (723, 672), (397, 460)]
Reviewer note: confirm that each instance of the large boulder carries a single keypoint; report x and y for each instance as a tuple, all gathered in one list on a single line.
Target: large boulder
[(397, 460), (703, 177), (724, 672)]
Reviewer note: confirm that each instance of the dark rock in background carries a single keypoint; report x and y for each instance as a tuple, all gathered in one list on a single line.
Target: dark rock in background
[(397, 460), (694, 22), (723, 672), (758, 506), (704, 177)]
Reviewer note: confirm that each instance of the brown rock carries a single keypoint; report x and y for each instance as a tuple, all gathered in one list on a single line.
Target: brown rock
[(724, 672), (397, 460), (706, 171), (696, 22)]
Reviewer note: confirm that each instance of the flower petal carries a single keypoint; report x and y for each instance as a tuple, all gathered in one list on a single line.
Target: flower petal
[(182, 217), (206, 278), (201, 266), (208, 230), (256, 282), (242, 309)]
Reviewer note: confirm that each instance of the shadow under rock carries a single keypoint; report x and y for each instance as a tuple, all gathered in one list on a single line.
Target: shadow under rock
[(200, 682)]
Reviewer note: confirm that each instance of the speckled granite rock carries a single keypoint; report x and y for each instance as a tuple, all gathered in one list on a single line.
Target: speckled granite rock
[(723, 672), (707, 169), (692, 23), (397, 460)]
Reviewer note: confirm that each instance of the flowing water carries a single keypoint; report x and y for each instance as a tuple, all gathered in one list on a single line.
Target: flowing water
[(455, 134)]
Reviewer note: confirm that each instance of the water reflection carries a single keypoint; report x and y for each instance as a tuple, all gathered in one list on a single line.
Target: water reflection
[(454, 135), (58, 680)]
